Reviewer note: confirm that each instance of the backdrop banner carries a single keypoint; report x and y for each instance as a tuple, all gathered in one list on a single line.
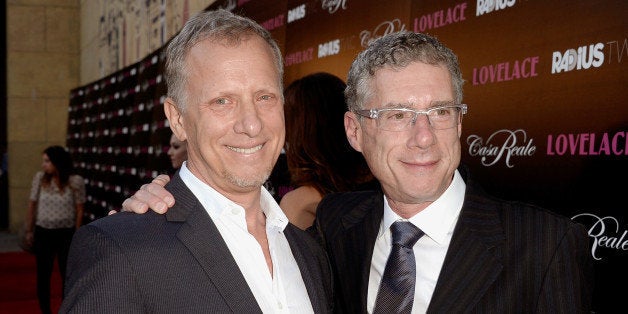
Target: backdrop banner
[(545, 86)]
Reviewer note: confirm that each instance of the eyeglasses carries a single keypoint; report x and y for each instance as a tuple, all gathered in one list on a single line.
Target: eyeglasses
[(400, 119)]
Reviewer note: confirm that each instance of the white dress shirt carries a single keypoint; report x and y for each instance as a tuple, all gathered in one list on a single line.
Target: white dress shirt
[(437, 221), (281, 292)]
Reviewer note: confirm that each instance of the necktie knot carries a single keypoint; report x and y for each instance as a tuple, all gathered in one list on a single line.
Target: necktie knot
[(405, 234)]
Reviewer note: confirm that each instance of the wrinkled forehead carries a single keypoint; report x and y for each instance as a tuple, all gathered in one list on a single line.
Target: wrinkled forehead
[(417, 85)]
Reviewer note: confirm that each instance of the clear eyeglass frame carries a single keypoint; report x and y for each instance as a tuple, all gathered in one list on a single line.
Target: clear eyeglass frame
[(400, 119)]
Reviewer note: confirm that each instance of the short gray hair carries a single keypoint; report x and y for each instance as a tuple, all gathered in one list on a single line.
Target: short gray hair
[(397, 50), (221, 25)]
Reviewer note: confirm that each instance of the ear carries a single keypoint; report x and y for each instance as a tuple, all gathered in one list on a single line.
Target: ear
[(459, 129), (353, 130), (175, 119)]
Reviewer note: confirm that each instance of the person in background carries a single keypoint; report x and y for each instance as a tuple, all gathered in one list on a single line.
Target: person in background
[(458, 249), (55, 211), (178, 152), (226, 247), (319, 157), (278, 183)]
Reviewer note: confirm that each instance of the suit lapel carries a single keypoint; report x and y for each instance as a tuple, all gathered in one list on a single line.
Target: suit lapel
[(360, 226), (313, 281), (474, 257), (200, 235)]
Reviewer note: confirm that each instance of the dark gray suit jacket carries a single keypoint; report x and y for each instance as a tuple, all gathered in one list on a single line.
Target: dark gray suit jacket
[(173, 263), (504, 257)]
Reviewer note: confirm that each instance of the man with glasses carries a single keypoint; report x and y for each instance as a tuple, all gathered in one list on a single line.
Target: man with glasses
[(431, 240)]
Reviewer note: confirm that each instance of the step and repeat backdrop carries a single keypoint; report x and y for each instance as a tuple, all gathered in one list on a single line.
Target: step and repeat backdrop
[(546, 86)]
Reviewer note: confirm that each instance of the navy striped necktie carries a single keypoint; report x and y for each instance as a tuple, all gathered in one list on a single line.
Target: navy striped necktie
[(396, 291)]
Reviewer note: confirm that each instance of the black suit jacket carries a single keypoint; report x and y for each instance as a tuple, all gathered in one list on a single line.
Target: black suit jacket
[(504, 257), (173, 263)]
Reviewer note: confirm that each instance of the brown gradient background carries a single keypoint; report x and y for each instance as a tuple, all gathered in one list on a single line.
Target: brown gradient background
[(579, 101)]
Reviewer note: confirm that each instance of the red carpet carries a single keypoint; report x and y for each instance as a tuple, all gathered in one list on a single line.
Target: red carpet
[(18, 290)]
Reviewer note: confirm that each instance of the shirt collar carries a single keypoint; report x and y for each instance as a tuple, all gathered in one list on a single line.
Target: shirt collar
[(216, 204), (436, 220)]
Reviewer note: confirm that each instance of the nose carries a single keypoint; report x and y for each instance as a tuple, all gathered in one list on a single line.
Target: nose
[(422, 134), (249, 121), (421, 120)]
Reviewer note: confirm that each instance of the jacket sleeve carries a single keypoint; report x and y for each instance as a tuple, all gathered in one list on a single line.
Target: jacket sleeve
[(99, 277), (568, 282)]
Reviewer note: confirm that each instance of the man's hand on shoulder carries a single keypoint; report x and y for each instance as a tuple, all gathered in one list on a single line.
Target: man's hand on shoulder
[(152, 195)]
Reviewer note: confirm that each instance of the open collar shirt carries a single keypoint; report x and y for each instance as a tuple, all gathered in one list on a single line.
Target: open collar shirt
[(281, 292)]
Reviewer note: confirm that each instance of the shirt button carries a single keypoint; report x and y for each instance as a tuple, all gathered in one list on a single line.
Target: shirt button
[(279, 305), (235, 210)]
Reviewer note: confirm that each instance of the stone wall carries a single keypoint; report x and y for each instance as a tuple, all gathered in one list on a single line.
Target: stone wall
[(56, 45), (42, 66)]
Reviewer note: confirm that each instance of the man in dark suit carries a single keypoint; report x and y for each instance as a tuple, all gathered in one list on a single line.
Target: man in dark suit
[(468, 252), (479, 254), (226, 246)]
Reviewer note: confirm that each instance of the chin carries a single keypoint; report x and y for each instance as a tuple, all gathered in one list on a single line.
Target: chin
[(255, 180)]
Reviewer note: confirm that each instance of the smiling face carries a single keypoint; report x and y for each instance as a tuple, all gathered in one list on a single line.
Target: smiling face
[(178, 152), (233, 122), (414, 166)]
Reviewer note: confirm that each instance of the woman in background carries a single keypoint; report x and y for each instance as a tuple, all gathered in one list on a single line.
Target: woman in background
[(320, 159), (178, 152), (55, 211)]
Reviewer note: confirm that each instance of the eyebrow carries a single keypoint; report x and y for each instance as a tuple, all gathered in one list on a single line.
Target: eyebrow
[(440, 103), (397, 106)]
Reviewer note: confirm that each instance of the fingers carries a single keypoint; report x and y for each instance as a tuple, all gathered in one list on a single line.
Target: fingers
[(132, 205), (162, 179), (155, 192), (152, 195)]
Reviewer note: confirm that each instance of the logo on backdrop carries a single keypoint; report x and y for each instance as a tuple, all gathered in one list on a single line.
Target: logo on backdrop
[(296, 13), (380, 30), (274, 22), (440, 18), (502, 146), (329, 48), (617, 50), (299, 57), (506, 71), (581, 58), (488, 6), (606, 233), (588, 144), (333, 5)]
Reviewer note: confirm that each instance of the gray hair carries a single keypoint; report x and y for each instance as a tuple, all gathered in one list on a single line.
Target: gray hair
[(220, 25), (397, 50)]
